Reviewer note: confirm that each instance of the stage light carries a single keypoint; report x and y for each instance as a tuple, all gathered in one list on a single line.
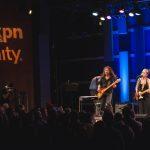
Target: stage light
[(30, 12), (95, 14), (124, 75), (102, 18), (137, 10), (108, 17), (131, 14), (121, 11), (137, 14)]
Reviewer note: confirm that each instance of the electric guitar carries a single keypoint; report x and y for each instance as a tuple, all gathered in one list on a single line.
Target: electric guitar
[(101, 91), (139, 95)]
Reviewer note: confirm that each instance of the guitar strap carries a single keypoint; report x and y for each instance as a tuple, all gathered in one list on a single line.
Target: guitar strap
[(139, 82), (98, 80)]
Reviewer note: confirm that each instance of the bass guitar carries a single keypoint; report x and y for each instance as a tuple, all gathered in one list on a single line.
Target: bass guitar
[(101, 91), (139, 95)]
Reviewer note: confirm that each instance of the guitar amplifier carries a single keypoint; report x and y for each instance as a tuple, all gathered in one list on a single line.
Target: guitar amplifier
[(89, 104)]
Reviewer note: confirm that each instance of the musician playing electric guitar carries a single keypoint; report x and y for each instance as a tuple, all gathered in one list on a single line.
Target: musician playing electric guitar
[(142, 92), (107, 78)]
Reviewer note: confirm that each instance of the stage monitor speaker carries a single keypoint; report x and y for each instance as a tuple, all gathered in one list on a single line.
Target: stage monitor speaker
[(140, 117), (119, 107), (89, 104)]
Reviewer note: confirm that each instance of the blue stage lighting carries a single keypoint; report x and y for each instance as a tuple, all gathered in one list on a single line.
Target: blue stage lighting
[(124, 75)]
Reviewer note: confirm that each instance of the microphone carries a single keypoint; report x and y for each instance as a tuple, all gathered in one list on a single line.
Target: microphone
[(139, 76)]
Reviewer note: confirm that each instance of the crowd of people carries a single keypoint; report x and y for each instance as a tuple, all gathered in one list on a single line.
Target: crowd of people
[(54, 127)]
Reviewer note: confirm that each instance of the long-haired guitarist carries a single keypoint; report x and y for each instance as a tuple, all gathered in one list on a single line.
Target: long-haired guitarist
[(142, 91), (108, 77)]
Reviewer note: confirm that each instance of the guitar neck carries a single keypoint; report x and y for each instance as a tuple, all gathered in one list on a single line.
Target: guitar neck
[(110, 86), (145, 91)]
